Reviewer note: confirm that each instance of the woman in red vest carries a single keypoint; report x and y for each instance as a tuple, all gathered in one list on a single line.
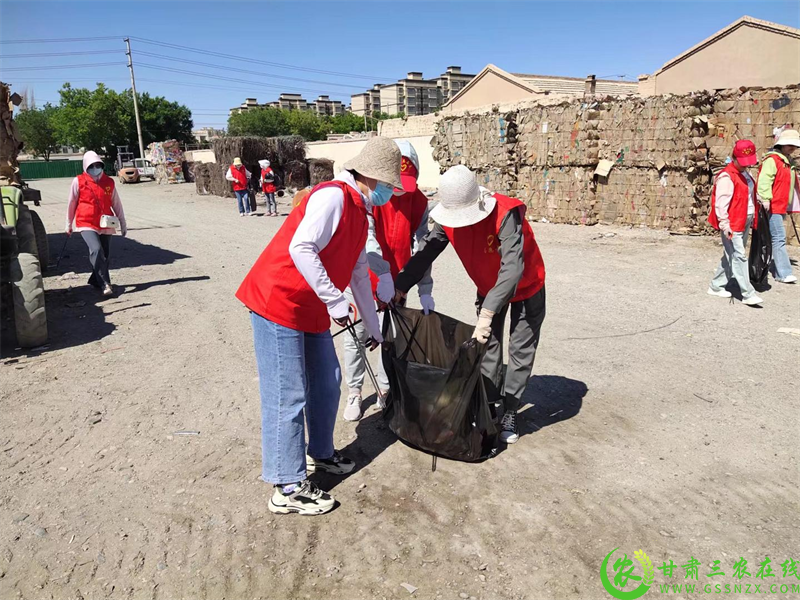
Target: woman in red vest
[(496, 245), (268, 187), (93, 196), (733, 213), (779, 192), (239, 177), (394, 229), (293, 291)]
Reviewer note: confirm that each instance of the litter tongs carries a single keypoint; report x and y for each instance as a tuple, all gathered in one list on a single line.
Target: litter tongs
[(351, 327)]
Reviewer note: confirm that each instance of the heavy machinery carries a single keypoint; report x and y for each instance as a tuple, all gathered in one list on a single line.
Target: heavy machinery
[(24, 255), (130, 169)]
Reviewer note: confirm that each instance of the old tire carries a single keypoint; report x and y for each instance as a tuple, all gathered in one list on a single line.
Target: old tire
[(26, 235), (30, 318), (42, 246)]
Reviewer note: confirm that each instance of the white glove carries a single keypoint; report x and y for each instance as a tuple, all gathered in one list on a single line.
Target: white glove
[(385, 288), (339, 309), (428, 305), (68, 229), (726, 229), (483, 330)]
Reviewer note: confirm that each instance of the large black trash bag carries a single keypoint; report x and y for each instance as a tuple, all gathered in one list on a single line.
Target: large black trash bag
[(438, 401), (760, 250)]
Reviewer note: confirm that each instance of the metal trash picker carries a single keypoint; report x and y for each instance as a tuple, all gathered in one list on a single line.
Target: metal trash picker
[(351, 327)]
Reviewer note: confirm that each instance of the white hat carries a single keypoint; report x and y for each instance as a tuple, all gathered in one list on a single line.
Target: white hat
[(461, 201), (789, 137), (263, 164)]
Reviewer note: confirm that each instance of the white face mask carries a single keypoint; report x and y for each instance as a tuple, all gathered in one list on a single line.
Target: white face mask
[(95, 171)]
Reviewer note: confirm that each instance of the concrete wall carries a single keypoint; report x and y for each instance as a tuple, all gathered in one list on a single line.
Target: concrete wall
[(205, 156), (489, 89), (418, 126), (748, 56), (342, 151)]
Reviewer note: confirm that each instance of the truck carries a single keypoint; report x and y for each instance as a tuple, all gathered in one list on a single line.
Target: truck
[(24, 255)]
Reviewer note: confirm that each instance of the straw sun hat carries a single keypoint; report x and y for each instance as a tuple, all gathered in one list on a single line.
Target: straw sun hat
[(379, 159), (461, 201)]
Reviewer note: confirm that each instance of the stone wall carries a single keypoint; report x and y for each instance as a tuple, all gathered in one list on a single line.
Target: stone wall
[(661, 152), (421, 126)]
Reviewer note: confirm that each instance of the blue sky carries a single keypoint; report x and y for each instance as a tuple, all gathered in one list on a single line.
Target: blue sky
[(378, 41)]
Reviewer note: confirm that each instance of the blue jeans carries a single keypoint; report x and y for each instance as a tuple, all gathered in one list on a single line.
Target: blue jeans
[(734, 262), (243, 199), (272, 206), (299, 376), (781, 266)]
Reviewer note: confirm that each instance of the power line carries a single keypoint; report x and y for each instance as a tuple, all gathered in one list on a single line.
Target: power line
[(59, 40), (259, 62), (228, 68), (57, 67), (44, 54), (233, 79)]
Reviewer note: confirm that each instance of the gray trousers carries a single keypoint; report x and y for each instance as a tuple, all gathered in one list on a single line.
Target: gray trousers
[(354, 367), (99, 253), (527, 317), (734, 262)]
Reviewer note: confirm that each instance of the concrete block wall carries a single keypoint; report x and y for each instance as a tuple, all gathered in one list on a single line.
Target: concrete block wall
[(419, 126)]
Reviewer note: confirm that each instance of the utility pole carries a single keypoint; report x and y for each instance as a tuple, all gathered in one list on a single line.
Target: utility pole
[(135, 100)]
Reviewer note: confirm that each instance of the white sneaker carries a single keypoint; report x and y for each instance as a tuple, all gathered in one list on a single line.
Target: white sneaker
[(788, 279), (305, 499), (720, 293), (352, 412), (752, 301)]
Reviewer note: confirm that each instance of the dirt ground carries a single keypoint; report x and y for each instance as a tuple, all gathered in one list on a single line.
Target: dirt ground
[(659, 418)]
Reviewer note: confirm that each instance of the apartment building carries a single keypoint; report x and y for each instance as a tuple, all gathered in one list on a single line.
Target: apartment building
[(324, 106), (413, 95)]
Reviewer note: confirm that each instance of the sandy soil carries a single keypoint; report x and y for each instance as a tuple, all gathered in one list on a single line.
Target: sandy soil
[(682, 441)]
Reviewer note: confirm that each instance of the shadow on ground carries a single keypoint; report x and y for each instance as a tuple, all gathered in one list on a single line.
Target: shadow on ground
[(552, 399), (125, 253)]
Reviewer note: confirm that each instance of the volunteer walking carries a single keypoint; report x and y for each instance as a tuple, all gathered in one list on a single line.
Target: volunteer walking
[(497, 247), (239, 176), (733, 213), (397, 223), (95, 208), (268, 187), (778, 191), (293, 291)]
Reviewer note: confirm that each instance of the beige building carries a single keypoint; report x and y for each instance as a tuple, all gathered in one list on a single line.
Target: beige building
[(749, 52), (324, 106), (413, 95), (493, 85)]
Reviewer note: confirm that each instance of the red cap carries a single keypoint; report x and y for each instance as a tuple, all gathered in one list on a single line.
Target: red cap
[(408, 175), (745, 153)]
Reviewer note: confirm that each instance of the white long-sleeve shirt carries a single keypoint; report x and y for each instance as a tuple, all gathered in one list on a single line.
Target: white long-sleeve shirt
[(313, 234), (229, 176), (72, 206), (724, 195)]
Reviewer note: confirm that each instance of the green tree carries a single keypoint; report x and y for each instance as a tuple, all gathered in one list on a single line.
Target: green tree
[(266, 122), (306, 124), (38, 131), (345, 123), (92, 119), (102, 119)]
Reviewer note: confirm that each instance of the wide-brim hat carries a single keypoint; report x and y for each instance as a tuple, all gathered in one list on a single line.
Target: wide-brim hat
[(237, 162), (461, 201), (379, 159), (789, 137)]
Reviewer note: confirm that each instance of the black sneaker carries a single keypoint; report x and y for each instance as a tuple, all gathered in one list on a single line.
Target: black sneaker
[(508, 427), (336, 464), (305, 499)]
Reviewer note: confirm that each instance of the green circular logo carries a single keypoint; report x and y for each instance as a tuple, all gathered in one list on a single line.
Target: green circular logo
[(623, 569)]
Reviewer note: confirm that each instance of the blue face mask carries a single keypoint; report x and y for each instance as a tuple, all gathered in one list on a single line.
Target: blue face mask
[(94, 171), (381, 194)]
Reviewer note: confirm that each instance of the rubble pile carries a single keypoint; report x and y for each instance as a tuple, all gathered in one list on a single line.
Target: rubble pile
[(636, 161), (167, 158)]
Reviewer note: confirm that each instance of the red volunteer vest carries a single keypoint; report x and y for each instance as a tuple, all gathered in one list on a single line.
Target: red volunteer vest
[(478, 248), (395, 224), (268, 187), (241, 178), (782, 187), (94, 200), (277, 291), (737, 210)]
